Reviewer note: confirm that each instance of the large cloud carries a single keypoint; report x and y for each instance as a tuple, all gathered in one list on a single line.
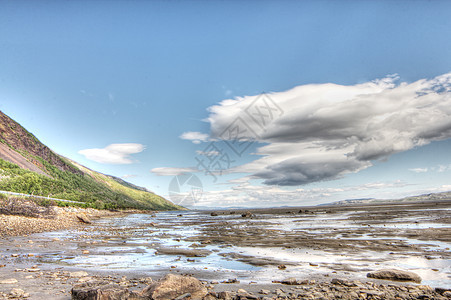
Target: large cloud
[(113, 154), (320, 132)]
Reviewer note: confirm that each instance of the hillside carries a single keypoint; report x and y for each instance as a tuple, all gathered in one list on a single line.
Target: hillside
[(30, 167)]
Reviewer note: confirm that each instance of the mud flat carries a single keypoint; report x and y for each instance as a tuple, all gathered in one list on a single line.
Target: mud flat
[(241, 250)]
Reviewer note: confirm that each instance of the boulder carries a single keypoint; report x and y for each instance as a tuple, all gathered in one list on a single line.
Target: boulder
[(83, 218), (247, 214), (102, 291), (393, 274), (173, 286)]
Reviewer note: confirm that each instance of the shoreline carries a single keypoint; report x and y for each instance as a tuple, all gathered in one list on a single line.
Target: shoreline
[(61, 218), (35, 264)]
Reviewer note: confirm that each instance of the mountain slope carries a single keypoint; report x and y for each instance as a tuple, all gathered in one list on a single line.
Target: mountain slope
[(28, 166)]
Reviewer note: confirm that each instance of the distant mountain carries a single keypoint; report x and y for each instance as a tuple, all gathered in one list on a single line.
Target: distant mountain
[(30, 167), (444, 196)]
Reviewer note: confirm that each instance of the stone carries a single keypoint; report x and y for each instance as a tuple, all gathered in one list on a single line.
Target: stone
[(33, 270), (247, 214), (184, 296), (213, 214), (447, 294), (83, 218), (172, 286), (225, 295), (290, 281), (84, 279), (265, 292), (8, 281), (18, 293), (393, 274), (78, 274), (98, 291)]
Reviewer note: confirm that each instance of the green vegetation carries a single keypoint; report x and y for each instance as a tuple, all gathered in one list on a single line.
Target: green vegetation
[(94, 189)]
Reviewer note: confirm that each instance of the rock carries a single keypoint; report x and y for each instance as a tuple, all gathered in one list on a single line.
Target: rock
[(78, 274), (226, 295), (447, 294), (185, 252), (184, 296), (265, 292), (343, 282), (83, 218), (18, 293), (393, 274), (8, 281), (85, 252), (247, 214), (96, 291), (290, 281), (231, 281), (281, 267), (33, 270), (213, 214), (172, 286)]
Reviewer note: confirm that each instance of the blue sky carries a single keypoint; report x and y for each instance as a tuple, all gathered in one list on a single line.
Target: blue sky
[(84, 75)]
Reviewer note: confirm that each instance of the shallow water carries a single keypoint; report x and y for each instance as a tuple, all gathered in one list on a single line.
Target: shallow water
[(131, 243)]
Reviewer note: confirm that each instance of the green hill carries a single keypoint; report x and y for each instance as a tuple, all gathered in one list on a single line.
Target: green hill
[(28, 166)]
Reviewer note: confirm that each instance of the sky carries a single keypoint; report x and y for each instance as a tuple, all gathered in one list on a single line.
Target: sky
[(238, 103)]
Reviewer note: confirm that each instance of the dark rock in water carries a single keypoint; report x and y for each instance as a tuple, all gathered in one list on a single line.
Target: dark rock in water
[(213, 214), (397, 275), (185, 252), (173, 286), (234, 280), (247, 214), (83, 218)]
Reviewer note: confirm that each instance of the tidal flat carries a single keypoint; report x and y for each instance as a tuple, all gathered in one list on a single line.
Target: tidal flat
[(229, 250)]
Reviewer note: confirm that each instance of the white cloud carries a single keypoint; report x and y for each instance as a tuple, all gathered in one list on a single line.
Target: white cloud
[(194, 136), (319, 132), (249, 195), (169, 171), (113, 154), (419, 170)]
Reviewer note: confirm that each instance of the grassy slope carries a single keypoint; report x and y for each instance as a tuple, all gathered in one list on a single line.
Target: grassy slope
[(95, 189), (65, 179)]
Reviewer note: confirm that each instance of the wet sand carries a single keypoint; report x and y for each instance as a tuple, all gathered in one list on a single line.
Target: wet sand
[(315, 244)]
